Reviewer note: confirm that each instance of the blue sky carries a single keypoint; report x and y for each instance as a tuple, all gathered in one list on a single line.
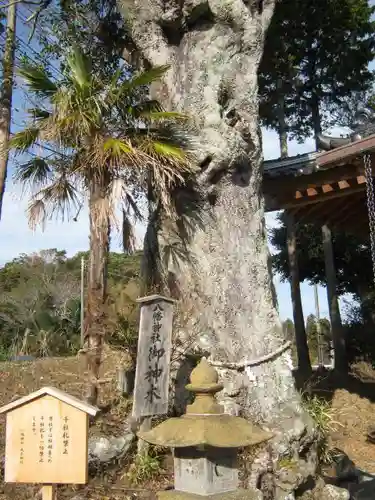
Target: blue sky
[(17, 238)]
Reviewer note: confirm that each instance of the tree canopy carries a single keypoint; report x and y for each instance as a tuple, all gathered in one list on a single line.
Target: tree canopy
[(95, 26), (40, 302), (352, 257), (317, 53)]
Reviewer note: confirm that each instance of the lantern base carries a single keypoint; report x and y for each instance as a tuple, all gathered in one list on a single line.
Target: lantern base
[(231, 495)]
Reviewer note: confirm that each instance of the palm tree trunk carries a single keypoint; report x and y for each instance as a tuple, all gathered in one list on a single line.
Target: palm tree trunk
[(97, 285), (6, 96)]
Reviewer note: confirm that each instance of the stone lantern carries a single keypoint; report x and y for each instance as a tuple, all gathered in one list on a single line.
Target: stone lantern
[(205, 443)]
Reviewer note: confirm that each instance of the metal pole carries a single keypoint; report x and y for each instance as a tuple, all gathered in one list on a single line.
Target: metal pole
[(82, 299), (318, 327)]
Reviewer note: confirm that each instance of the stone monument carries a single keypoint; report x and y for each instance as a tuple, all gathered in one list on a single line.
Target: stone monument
[(205, 443)]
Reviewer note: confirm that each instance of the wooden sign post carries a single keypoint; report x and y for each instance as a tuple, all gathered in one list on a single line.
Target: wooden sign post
[(151, 388), (47, 440), (153, 358)]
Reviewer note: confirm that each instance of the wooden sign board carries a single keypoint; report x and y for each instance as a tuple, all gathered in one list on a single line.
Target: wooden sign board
[(153, 358), (47, 438)]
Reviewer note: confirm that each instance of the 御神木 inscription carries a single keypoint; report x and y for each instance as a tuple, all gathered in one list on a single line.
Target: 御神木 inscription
[(153, 359)]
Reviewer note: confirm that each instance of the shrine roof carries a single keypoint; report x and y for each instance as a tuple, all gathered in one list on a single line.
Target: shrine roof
[(306, 164), (293, 165), (56, 393)]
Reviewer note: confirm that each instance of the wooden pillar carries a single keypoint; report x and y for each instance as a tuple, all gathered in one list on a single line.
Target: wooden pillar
[(304, 363), (48, 492), (339, 345)]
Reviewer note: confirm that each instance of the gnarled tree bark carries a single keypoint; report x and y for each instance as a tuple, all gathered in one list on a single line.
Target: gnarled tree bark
[(214, 48)]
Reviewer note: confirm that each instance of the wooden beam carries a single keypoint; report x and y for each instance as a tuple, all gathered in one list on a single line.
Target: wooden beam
[(344, 184), (345, 211), (329, 211), (287, 204), (347, 152), (320, 178), (361, 179), (350, 209), (304, 215)]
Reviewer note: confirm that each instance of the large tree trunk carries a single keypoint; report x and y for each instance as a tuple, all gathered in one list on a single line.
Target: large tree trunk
[(97, 285), (213, 49), (6, 96)]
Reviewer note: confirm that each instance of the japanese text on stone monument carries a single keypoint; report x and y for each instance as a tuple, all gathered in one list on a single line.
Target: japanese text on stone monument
[(153, 360)]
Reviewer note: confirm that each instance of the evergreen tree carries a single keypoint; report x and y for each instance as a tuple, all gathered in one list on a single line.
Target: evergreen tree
[(288, 329), (352, 258), (317, 53)]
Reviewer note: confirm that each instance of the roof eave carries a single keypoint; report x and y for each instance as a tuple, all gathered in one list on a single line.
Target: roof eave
[(56, 393)]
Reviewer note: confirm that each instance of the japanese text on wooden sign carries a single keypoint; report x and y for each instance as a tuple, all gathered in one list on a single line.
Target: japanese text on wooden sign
[(153, 359), (39, 442)]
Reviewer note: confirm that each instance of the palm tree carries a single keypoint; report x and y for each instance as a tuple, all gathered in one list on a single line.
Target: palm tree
[(166, 241), (109, 142)]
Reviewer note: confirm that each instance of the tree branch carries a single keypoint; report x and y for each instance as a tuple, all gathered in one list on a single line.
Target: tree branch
[(149, 36), (35, 16), (231, 11), (27, 2), (268, 9)]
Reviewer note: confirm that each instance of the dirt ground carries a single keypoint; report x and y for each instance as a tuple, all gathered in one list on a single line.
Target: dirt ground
[(352, 400), (20, 378)]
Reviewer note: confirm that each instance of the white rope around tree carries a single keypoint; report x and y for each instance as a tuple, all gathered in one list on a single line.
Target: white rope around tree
[(241, 365)]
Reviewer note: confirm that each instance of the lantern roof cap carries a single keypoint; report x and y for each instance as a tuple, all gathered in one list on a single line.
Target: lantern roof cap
[(205, 422)]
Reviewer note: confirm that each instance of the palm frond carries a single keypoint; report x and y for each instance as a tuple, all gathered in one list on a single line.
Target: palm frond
[(165, 115), (179, 137), (80, 68), (60, 197), (144, 107), (38, 114), (36, 213), (131, 204), (153, 110), (35, 172), (117, 146), (168, 151), (145, 78), (25, 139), (174, 254), (37, 80)]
